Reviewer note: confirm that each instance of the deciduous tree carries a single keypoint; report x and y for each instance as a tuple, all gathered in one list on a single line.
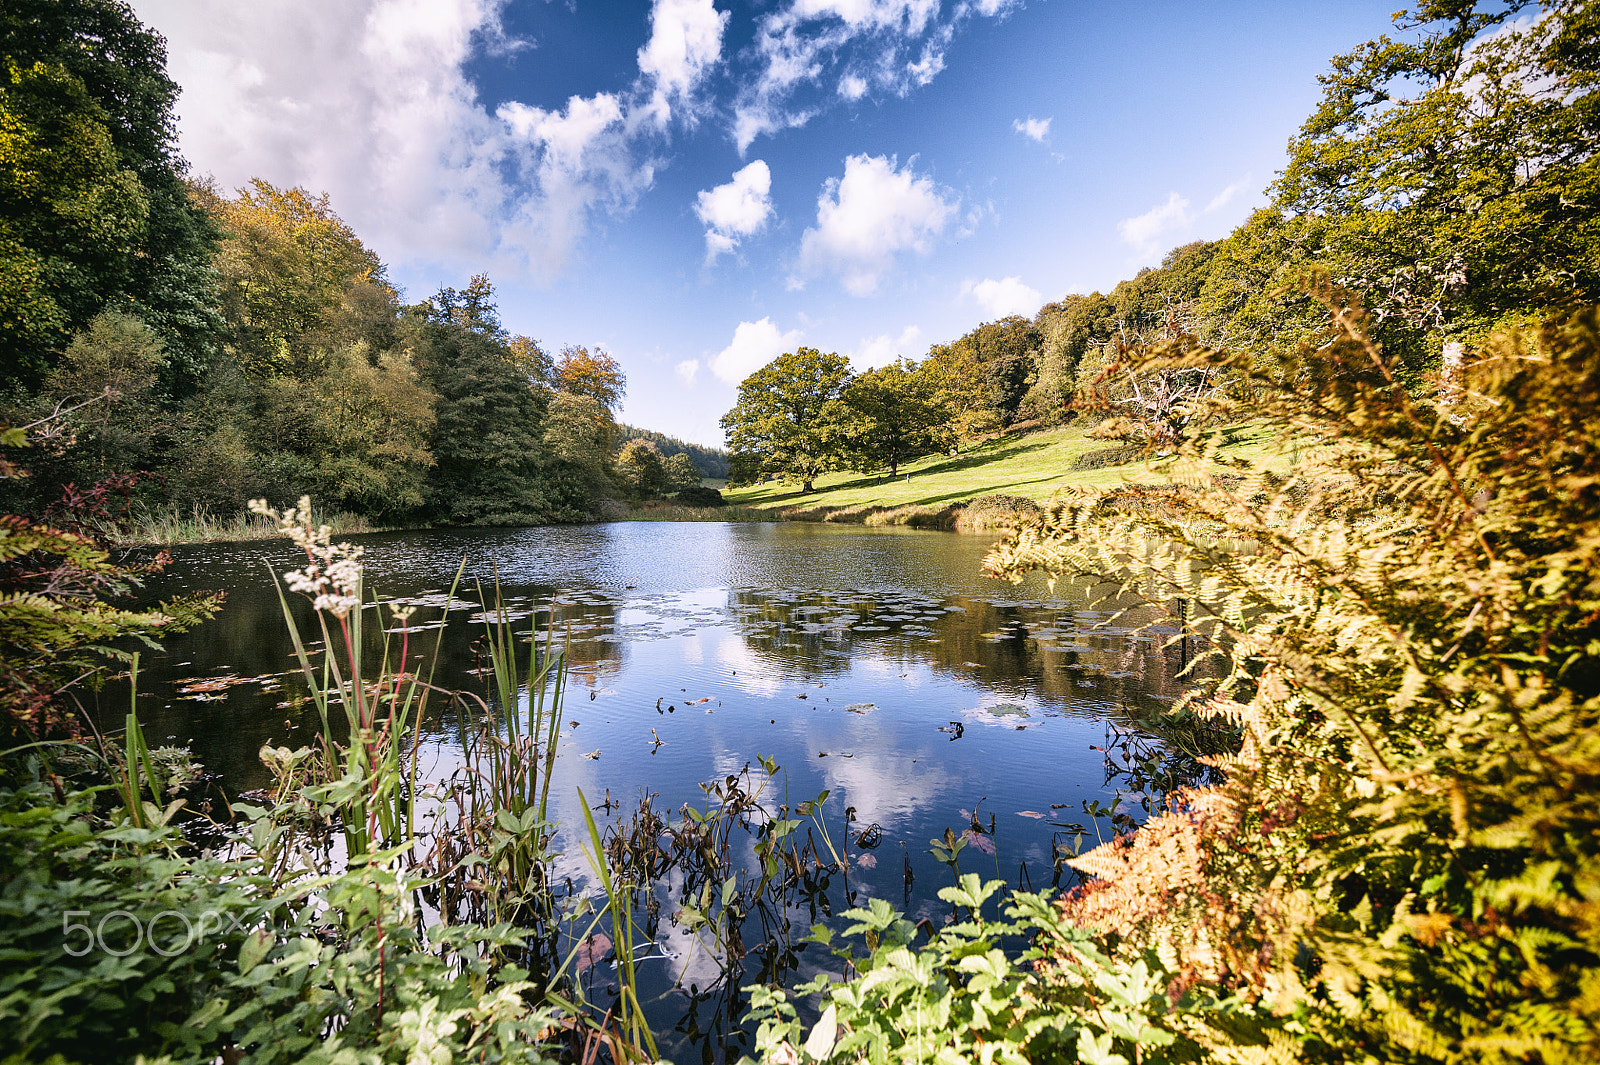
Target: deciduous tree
[(591, 373), (680, 472), (641, 469), (93, 208), (288, 264), (1449, 174), (895, 417), (790, 419), (983, 376)]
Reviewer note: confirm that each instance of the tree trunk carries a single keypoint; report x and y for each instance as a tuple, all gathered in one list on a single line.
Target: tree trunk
[(805, 488), (894, 468)]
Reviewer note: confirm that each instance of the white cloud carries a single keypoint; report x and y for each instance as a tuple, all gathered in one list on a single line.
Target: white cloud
[(685, 42), (1223, 198), (865, 218), (1166, 225), (738, 209), (878, 351), (687, 370), (995, 7), (580, 159), (367, 100), (894, 46), (1033, 128), (1149, 232), (754, 345), (1004, 297)]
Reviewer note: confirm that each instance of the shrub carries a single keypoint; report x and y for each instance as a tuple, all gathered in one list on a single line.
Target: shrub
[(120, 941), (1108, 456), (699, 495), (1404, 856), (996, 511)]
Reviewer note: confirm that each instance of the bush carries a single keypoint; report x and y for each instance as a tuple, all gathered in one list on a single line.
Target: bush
[(996, 511), (1404, 856), (698, 495), (120, 941), (1109, 456)]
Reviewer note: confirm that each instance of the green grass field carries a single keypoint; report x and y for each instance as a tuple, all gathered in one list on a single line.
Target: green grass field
[(1032, 465)]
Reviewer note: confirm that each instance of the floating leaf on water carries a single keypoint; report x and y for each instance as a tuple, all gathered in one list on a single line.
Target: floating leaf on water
[(979, 840), (861, 708), (592, 949), (1031, 813), (593, 754), (193, 685)]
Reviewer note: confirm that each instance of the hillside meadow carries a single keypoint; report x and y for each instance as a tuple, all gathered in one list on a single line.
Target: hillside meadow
[(1026, 465)]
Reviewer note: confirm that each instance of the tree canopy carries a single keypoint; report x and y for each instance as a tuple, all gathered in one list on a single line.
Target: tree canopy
[(93, 208), (790, 419), (591, 373), (288, 264), (895, 416), (1448, 174)]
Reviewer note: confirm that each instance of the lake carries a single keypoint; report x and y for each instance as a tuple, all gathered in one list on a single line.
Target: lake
[(878, 664)]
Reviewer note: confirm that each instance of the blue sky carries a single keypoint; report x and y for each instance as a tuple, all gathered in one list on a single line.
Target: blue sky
[(697, 186)]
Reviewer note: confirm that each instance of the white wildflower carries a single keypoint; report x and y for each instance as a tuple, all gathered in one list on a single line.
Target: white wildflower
[(332, 580)]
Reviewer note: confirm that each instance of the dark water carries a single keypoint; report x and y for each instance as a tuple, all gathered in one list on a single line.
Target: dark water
[(853, 656)]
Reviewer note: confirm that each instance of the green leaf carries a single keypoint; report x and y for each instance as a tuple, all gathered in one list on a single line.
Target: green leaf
[(819, 1044)]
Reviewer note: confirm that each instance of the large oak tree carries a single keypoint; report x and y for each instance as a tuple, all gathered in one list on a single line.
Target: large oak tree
[(790, 419)]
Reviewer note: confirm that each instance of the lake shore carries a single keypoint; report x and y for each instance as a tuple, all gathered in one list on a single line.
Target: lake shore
[(984, 487)]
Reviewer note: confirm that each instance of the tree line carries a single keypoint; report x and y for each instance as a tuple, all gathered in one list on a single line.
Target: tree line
[(1447, 176), (207, 348)]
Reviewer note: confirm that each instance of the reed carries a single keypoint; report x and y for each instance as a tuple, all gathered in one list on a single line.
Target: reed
[(618, 899), (199, 524), (366, 777), (675, 512)]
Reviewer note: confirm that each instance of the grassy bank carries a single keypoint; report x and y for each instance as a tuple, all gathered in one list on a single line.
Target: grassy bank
[(667, 510), (936, 491)]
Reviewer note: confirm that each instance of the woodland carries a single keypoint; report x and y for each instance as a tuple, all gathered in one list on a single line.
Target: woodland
[(183, 348), (1385, 845)]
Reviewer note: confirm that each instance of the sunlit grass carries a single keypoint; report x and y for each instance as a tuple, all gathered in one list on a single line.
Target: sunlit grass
[(1032, 466)]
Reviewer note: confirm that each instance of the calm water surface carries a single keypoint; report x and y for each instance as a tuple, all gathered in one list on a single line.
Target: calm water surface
[(877, 663)]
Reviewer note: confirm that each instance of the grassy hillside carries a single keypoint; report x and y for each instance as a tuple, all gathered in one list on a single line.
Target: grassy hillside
[(1031, 466)]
